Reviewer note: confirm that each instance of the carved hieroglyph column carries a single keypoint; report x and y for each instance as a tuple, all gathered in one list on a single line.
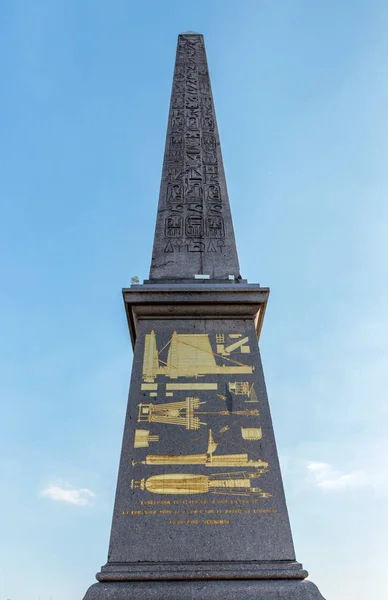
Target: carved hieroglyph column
[(194, 230), (200, 508)]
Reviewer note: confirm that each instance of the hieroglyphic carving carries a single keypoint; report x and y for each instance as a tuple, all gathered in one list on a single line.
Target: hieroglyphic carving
[(193, 192), (207, 106), (195, 246), (175, 155), (177, 120), (191, 84), (175, 174), (178, 245), (215, 227), (192, 119), (204, 85), (192, 101), (176, 141), (174, 226), (194, 222), (174, 193), (178, 86), (194, 227), (208, 142), (193, 140), (210, 157), (211, 173), (213, 193), (202, 70), (208, 123), (178, 101), (191, 68), (179, 71)]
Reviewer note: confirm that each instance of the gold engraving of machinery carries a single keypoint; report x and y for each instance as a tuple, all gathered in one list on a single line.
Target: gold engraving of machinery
[(192, 356)]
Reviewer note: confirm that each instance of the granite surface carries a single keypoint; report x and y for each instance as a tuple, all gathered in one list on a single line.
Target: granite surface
[(194, 230), (209, 590)]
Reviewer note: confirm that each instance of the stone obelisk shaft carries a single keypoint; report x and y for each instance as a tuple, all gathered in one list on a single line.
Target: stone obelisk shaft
[(194, 230)]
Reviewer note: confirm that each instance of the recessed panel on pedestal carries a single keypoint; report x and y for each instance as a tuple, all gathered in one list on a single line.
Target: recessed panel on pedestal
[(199, 467)]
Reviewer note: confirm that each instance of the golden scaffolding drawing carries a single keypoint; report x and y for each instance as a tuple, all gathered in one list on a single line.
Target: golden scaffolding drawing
[(184, 413), (172, 413)]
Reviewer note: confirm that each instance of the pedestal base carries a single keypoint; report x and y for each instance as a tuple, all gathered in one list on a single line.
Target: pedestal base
[(280, 589), (196, 571)]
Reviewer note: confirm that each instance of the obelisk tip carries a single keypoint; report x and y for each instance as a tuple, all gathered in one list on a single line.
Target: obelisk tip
[(190, 33)]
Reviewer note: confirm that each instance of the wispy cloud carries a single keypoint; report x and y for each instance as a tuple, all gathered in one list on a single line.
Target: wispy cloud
[(70, 495), (329, 479)]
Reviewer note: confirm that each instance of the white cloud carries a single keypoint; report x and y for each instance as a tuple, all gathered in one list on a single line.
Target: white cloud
[(79, 497), (329, 480)]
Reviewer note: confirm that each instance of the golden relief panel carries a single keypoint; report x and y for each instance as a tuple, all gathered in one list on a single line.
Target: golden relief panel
[(223, 360), (191, 355)]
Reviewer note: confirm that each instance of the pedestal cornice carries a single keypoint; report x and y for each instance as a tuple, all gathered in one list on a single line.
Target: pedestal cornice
[(194, 300)]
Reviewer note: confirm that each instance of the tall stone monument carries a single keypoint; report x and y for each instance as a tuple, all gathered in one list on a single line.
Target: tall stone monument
[(200, 509)]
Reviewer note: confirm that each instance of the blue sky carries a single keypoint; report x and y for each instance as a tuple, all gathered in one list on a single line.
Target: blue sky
[(301, 90)]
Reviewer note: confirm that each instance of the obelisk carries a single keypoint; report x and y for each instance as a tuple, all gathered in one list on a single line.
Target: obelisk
[(200, 510)]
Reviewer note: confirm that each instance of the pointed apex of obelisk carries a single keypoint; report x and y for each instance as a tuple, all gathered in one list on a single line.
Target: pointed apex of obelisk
[(194, 230), (190, 33)]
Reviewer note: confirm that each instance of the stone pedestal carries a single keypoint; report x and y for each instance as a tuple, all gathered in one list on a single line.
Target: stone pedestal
[(280, 589), (200, 507)]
